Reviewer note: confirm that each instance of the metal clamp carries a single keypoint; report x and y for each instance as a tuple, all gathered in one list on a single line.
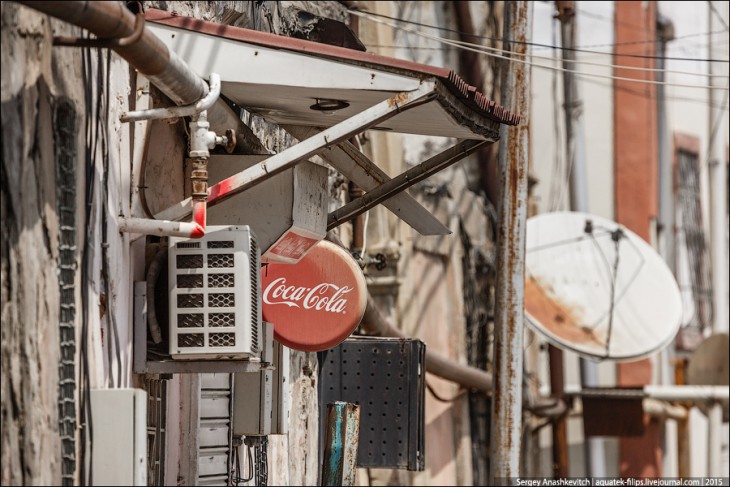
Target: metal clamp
[(107, 42)]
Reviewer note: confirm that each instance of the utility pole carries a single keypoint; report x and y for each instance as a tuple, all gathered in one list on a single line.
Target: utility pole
[(575, 145), (717, 172), (506, 424)]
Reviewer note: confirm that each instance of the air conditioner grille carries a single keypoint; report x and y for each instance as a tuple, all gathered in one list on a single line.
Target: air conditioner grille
[(190, 320), (221, 300), (220, 260), (189, 280), (190, 340), (221, 280), (190, 261), (222, 340), (189, 300), (222, 319)]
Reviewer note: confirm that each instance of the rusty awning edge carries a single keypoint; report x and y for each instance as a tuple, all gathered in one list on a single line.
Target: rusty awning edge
[(465, 93)]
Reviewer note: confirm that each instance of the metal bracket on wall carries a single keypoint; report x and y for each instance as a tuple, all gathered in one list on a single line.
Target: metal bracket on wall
[(307, 148)]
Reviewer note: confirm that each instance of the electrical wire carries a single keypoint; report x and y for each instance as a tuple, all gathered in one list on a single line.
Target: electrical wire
[(86, 433), (717, 14), (558, 186), (582, 48), (440, 398), (374, 17), (483, 50), (103, 117)]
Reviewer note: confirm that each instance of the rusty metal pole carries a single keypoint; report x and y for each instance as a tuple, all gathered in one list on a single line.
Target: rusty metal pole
[(512, 210), (560, 424), (340, 444)]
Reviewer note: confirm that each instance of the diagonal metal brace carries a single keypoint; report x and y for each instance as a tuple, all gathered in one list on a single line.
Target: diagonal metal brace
[(305, 149), (403, 181), (355, 166)]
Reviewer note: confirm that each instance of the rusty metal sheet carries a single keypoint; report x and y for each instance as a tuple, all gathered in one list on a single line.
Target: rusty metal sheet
[(341, 442), (384, 376)]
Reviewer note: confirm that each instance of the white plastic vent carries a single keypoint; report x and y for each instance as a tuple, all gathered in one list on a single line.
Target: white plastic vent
[(214, 295)]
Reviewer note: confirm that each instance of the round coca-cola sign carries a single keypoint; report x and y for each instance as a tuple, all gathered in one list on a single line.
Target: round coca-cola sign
[(317, 302)]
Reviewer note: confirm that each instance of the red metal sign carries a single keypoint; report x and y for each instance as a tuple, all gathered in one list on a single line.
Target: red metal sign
[(316, 303)]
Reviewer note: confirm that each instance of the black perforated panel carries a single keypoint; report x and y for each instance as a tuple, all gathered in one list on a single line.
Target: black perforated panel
[(384, 376)]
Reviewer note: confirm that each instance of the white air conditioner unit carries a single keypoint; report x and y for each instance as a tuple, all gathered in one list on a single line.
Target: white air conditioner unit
[(215, 289)]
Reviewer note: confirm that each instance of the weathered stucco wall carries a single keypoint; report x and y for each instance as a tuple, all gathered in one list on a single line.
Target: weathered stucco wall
[(34, 81)]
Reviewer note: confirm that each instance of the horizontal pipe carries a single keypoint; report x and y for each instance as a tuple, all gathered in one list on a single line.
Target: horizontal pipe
[(662, 409), (151, 57), (659, 392), (688, 393), (148, 55), (176, 112), (470, 377), (163, 228)]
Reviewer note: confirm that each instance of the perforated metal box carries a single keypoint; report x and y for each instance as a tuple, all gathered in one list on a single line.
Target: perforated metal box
[(215, 290), (385, 376)]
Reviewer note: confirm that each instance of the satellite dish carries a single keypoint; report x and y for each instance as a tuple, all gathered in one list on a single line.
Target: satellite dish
[(595, 288)]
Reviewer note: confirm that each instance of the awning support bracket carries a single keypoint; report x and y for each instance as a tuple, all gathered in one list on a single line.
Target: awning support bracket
[(402, 182), (311, 146)]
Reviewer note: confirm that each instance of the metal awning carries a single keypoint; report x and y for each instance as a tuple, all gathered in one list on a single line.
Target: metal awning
[(323, 95)]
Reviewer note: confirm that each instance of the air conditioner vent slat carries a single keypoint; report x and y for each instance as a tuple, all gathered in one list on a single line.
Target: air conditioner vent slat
[(221, 280), (220, 244), (190, 320), (189, 261), (189, 280), (189, 300)]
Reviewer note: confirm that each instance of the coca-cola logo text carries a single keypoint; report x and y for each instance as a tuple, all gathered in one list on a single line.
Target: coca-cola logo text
[(323, 297)]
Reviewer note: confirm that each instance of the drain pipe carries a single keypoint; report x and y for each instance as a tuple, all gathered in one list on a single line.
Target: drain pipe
[(201, 140)]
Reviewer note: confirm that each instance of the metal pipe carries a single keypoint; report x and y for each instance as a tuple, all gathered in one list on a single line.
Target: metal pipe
[(510, 283), (374, 322), (163, 228), (664, 410), (148, 55), (688, 393), (560, 425), (183, 111), (151, 58), (696, 394), (282, 161), (714, 440)]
